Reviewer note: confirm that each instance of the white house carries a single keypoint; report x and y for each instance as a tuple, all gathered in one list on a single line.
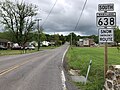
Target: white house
[(34, 43), (86, 42), (45, 43)]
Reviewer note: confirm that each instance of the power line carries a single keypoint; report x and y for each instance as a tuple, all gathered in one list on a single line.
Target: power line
[(80, 15), (79, 19), (49, 12)]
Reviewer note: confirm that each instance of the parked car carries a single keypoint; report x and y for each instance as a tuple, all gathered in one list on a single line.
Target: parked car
[(16, 48), (31, 47), (2, 47)]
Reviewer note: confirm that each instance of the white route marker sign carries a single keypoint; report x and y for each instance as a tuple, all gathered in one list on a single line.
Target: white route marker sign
[(106, 35), (106, 19)]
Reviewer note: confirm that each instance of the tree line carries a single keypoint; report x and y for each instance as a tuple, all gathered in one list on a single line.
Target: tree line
[(58, 39)]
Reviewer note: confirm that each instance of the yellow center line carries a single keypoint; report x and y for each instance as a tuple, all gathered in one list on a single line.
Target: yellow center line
[(3, 72), (11, 68)]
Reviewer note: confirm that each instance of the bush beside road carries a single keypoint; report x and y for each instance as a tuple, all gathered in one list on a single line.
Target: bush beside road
[(78, 59)]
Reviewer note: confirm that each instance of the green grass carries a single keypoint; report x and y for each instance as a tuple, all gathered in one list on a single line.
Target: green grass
[(78, 58), (15, 52)]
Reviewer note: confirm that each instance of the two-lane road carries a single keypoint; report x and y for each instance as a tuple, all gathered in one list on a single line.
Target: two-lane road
[(37, 71)]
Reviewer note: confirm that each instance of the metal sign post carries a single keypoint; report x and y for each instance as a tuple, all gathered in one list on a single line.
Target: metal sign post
[(106, 59), (106, 19)]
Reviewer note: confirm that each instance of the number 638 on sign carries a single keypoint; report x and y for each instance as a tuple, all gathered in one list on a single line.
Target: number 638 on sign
[(107, 19)]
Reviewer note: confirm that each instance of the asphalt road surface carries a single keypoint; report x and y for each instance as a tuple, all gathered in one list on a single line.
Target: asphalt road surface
[(35, 71)]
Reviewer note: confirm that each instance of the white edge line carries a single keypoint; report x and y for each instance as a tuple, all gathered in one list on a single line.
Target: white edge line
[(62, 72)]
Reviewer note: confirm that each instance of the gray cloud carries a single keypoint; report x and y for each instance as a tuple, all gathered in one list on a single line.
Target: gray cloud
[(66, 12), (64, 16)]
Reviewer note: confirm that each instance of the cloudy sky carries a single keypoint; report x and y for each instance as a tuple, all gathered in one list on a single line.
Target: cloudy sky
[(65, 15)]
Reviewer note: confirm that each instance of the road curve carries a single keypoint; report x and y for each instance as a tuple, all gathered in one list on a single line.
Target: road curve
[(36, 71)]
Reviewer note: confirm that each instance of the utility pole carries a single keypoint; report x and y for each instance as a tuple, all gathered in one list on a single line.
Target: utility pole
[(38, 32), (71, 39)]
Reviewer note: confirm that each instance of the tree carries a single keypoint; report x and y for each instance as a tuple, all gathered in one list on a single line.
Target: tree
[(57, 40), (43, 37), (48, 37), (18, 19), (62, 38), (74, 38), (95, 38), (7, 35), (117, 35)]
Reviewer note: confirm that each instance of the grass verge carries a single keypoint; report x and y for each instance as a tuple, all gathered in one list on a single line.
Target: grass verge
[(78, 58), (15, 52)]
